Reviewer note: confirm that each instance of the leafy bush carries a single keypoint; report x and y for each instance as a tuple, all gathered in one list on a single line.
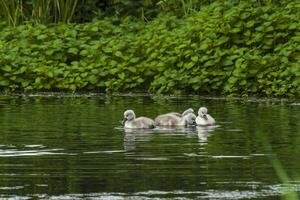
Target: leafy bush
[(222, 49)]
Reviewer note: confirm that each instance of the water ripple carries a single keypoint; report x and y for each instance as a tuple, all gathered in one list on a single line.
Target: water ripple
[(12, 188), (256, 190), (21, 153), (221, 156), (106, 152)]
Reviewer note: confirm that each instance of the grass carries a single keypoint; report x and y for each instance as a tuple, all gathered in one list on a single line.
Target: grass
[(15, 12)]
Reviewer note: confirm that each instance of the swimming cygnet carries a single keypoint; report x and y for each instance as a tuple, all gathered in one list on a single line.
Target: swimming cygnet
[(173, 120), (130, 121), (203, 118), (190, 110)]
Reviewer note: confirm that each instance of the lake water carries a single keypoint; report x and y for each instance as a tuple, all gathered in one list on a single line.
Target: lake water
[(73, 147)]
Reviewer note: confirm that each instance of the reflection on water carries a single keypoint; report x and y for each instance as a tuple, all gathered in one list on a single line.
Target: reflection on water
[(72, 147), (265, 191), (27, 150), (131, 138), (204, 133)]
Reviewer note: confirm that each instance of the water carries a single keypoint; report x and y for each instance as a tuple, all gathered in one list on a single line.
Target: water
[(73, 147)]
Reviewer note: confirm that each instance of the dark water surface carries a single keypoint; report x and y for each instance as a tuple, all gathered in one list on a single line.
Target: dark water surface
[(72, 147)]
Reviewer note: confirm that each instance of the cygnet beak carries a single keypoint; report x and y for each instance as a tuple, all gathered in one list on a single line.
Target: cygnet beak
[(123, 121), (205, 117)]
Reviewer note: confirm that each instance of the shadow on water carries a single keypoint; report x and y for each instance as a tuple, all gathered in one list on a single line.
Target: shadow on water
[(67, 147)]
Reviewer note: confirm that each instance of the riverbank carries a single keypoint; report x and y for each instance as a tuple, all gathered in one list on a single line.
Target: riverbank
[(293, 101), (239, 50)]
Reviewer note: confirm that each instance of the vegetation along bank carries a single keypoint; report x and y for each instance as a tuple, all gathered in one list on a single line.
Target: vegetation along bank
[(245, 49)]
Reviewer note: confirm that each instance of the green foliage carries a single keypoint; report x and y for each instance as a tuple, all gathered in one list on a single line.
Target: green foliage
[(223, 49)]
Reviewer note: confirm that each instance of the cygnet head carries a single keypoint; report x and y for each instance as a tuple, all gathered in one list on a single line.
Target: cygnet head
[(203, 112), (190, 110), (190, 119), (128, 116)]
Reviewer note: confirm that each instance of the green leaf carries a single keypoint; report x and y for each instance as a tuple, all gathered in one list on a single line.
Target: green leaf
[(42, 37), (84, 53), (269, 29), (73, 50), (94, 29), (209, 63), (235, 30), (181, 46), (50, 74), (49, 52), (4, 83), (245, 15), (121, 75), (239, 62), (134, 60), (232, 80), (243, 82), (13, 78), (250, 24), (38, 80), (72, 87), (260, 28), (118, 53), (203, 46), (247, 33), (84, 75), (293, 26), (25, 83), (222, 40), (227, 62), (140, 80), (6, 68), (189, 65), (195, 58), (93, 79), (132, 69)]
